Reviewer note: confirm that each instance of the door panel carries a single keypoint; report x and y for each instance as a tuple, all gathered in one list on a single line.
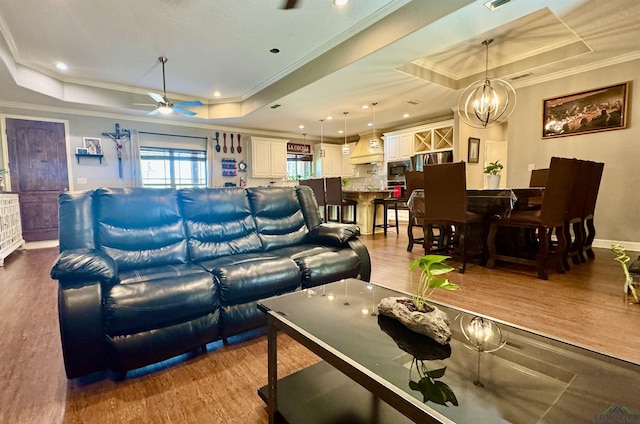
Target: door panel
[(38, 169)]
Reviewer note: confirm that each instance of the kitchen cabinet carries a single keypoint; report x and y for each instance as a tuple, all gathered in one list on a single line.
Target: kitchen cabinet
[(328, 160), (434, 137), (268, 157)]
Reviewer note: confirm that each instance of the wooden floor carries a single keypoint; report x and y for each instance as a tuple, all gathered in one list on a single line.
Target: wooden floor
[(583, 306)]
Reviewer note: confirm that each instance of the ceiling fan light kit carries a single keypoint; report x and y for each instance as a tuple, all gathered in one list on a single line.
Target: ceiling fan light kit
[(487, 102), (163, 105)]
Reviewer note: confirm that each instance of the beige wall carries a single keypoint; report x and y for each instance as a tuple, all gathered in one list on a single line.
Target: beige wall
[(617, 214)]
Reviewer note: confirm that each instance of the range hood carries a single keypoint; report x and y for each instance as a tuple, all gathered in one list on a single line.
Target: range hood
[(364, 153)]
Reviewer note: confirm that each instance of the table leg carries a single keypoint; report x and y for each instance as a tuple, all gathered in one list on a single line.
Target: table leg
[(272, 364)]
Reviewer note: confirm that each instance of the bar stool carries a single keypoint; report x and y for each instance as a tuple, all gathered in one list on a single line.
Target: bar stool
[(334, 199), (386, 203)]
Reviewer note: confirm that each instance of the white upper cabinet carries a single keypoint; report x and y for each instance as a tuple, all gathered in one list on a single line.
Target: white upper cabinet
[(268, 158)]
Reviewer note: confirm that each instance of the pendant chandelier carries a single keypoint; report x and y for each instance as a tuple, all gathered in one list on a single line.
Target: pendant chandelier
[(373, 143), (345, 146), (487, 102)]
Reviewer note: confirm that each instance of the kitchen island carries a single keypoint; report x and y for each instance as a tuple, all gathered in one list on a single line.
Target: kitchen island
[(364, 208)]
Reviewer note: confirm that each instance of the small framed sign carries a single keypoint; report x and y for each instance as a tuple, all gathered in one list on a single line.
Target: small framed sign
[(81, 151), (474, 150)]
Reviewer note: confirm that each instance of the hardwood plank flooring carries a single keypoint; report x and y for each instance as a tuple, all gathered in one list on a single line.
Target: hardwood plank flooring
[(583, 306)]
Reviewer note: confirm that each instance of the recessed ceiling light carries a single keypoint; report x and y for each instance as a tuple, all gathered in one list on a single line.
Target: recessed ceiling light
[(275, 51), (216, 94), (365, 106), (340, 132), (62, 66), (329, 118), (340, 2), (301, 126), (406, 115), (370, 124)]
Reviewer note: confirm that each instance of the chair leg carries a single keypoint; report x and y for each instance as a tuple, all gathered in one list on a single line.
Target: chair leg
[(562, 246), (591, 235), (397, 225), (462, 247), (410, 233), (375, 213), (491, 246), (543, 252), (385, 216), (564, 254)]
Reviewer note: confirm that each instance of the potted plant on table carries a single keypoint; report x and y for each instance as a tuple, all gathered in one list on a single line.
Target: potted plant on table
[(493, 170), (415, 313)]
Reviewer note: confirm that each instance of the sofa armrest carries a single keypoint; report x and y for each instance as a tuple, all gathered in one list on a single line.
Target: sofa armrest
[(365, 260), (334, 234), (78, 265)]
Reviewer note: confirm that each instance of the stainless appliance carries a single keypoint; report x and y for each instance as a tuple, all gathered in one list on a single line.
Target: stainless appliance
[(395, 177), (418, 161), (396, 170)]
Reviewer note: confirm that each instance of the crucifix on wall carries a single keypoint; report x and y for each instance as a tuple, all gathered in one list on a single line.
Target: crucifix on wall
[(118, 137)]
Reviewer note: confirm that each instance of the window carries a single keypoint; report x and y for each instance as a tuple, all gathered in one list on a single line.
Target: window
[(299, 166), (162, 167)]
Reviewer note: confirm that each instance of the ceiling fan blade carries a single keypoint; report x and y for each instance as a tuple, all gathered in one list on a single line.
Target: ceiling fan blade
[(290, 4), (158, 98), (145, 104), (183, 111), (188, 104), (154, 112)]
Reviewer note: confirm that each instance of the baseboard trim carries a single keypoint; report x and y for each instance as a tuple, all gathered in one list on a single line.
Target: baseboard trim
[(606, 244)]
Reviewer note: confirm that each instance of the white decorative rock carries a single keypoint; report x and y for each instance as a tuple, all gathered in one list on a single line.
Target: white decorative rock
[(433, 324)]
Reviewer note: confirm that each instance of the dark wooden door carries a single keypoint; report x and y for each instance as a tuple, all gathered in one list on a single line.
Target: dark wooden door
[(38, 170)]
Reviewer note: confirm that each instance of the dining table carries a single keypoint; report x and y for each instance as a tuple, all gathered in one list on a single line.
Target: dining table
[(490, 204)]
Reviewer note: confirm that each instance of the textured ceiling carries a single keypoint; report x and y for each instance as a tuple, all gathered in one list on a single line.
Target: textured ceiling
[(409, 56)]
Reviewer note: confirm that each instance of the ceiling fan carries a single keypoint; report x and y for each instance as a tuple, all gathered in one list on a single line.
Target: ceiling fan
[(163, 105)]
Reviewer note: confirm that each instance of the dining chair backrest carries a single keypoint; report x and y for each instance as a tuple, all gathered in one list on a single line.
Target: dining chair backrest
[(413, 180), (333, 190), (445, 192), (594, 186), (317, 185), (580, 190), (557, 193), (538, 177)]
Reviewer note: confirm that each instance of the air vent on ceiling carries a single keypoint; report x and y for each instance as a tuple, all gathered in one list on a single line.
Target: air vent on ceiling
[(517, 77), (413, 102), (276, 106), (494, 4)]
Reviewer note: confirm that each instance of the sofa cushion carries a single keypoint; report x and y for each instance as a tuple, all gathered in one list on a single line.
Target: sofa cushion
[(218, 222), (251, 276), (140, 227), (279, 219), (158, 302)]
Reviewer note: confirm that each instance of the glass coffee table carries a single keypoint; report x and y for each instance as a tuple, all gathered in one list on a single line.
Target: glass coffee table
[(376, 371)]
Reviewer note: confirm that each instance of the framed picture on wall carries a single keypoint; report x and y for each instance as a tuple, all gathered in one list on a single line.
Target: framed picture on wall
[(601, 109), (473, 155), (93, 145)]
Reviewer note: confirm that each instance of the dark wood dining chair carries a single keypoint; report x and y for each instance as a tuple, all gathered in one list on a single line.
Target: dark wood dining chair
[(445, 205), (334, 199), (547, 221), (414, 180), (573, 226), (538, 179), (317, 186), (590, 207)]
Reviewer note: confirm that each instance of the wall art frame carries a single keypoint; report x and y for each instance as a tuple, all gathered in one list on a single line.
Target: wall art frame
[(93, 145), (473, 153), (599, 109)]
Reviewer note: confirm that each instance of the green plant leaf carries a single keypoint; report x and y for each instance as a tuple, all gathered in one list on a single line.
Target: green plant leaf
[(446, 392), (439, 373)]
